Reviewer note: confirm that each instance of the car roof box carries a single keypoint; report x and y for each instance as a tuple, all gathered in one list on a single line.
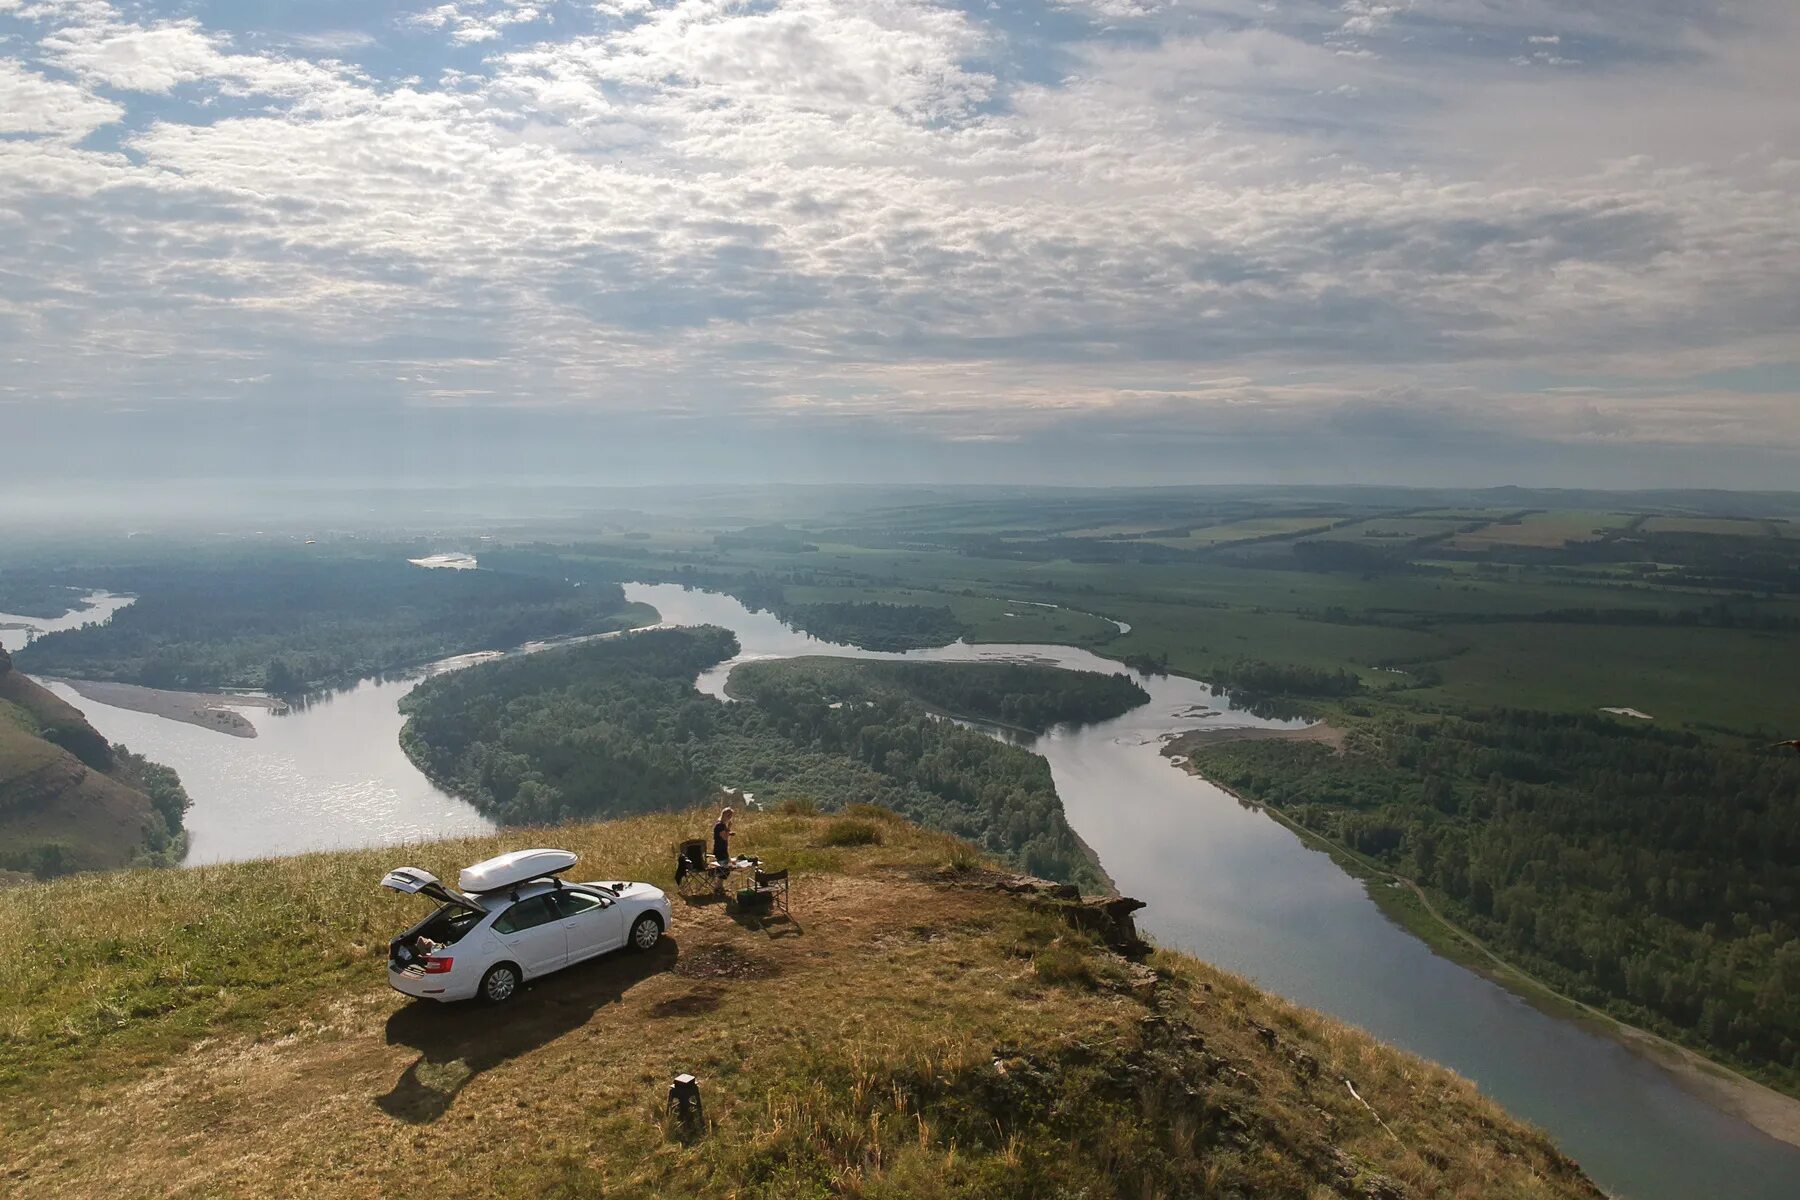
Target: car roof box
[(510, 870)]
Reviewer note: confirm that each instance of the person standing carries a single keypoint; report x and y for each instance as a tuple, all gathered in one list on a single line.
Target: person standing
[(722, 838)]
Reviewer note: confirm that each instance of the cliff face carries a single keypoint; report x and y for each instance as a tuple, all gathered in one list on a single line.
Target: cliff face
[(921, 1026), (59, 809)]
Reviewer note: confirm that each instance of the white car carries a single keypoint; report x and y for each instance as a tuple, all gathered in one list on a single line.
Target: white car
[(513, 920)]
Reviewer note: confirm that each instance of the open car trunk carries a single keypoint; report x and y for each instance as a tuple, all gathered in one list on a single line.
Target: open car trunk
[(417, 880), (455, 915)]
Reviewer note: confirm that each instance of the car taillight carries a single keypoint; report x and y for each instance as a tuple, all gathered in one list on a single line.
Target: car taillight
[(437, 966)]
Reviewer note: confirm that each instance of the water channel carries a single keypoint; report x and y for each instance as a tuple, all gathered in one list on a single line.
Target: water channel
[(1222, 881)]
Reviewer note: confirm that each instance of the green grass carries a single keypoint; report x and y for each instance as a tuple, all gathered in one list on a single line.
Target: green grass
[(851, 833), (22, 751)]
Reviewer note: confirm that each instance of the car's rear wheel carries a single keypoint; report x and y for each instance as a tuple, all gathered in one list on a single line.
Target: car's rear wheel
[(500, 983), (646, 931)]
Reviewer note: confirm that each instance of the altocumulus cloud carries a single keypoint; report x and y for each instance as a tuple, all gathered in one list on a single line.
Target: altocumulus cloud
[(1095, 223)]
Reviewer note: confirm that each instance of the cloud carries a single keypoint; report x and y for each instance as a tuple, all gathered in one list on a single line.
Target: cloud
[(469, 22), (32, 104), (825, 211), (160, 57)]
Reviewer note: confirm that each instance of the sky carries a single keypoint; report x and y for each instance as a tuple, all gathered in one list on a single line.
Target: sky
[(1550, 242)]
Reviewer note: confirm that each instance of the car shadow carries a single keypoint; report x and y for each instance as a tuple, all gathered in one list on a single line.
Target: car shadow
[(457, 1042)]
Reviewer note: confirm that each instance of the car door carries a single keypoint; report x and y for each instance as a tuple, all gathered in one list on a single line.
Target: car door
[(590, 922), (532, 932)]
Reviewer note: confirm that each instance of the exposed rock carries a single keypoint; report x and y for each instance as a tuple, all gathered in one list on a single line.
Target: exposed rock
[(1305, 1065), (1031, 885), (1110, 919), (1106, 917)]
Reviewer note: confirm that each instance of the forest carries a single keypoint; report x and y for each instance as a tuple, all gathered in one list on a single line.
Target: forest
[(36, 598), (1257, 680), (616, 727), (1029, 696), (291, 626), (874, 626), (166, 841), (1652, 874)]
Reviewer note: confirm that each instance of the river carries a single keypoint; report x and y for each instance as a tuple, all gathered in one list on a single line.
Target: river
[(1224, 882), (96, 608)]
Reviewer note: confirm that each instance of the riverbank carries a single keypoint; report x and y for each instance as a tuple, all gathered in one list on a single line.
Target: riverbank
[(1405, 903), (1184, 744), (217, 711)]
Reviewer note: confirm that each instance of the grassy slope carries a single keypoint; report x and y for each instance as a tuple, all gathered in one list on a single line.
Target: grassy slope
[(225, 1031), (48, 797)]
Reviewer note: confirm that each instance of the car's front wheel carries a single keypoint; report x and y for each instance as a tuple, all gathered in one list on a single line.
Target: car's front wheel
[(500, 983), (646, 931)]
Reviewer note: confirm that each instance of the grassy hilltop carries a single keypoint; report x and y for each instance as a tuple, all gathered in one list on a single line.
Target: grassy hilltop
[(226, 1031)]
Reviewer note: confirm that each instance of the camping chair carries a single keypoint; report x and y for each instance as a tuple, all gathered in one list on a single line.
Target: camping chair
[(691, 864), (772, 886)]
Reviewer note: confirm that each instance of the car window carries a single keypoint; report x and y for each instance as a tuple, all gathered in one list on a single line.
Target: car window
[(526, 914), (572, 902)]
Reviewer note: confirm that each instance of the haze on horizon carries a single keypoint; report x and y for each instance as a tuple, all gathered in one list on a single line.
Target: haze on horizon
[(1445, 242)]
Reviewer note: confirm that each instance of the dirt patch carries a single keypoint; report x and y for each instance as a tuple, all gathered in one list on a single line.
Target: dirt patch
[(724, 961)]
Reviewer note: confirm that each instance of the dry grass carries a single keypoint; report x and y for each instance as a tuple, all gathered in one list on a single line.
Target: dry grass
[(225, 1032)]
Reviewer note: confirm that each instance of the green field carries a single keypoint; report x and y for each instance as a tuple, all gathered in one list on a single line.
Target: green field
[(1719, 526), (1696, 677), (1241, 531), (1394, 529), (1545, 529)]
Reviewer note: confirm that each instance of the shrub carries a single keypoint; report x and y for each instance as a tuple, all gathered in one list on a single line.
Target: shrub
[(962, 857), (1061, 962), (800, 806), (851, 833)]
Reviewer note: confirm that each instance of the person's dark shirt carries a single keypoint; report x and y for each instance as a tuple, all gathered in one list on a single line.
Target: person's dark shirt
[(721, 835)]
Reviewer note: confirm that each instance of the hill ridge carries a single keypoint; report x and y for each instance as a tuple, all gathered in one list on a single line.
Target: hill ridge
[(67, 802)]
